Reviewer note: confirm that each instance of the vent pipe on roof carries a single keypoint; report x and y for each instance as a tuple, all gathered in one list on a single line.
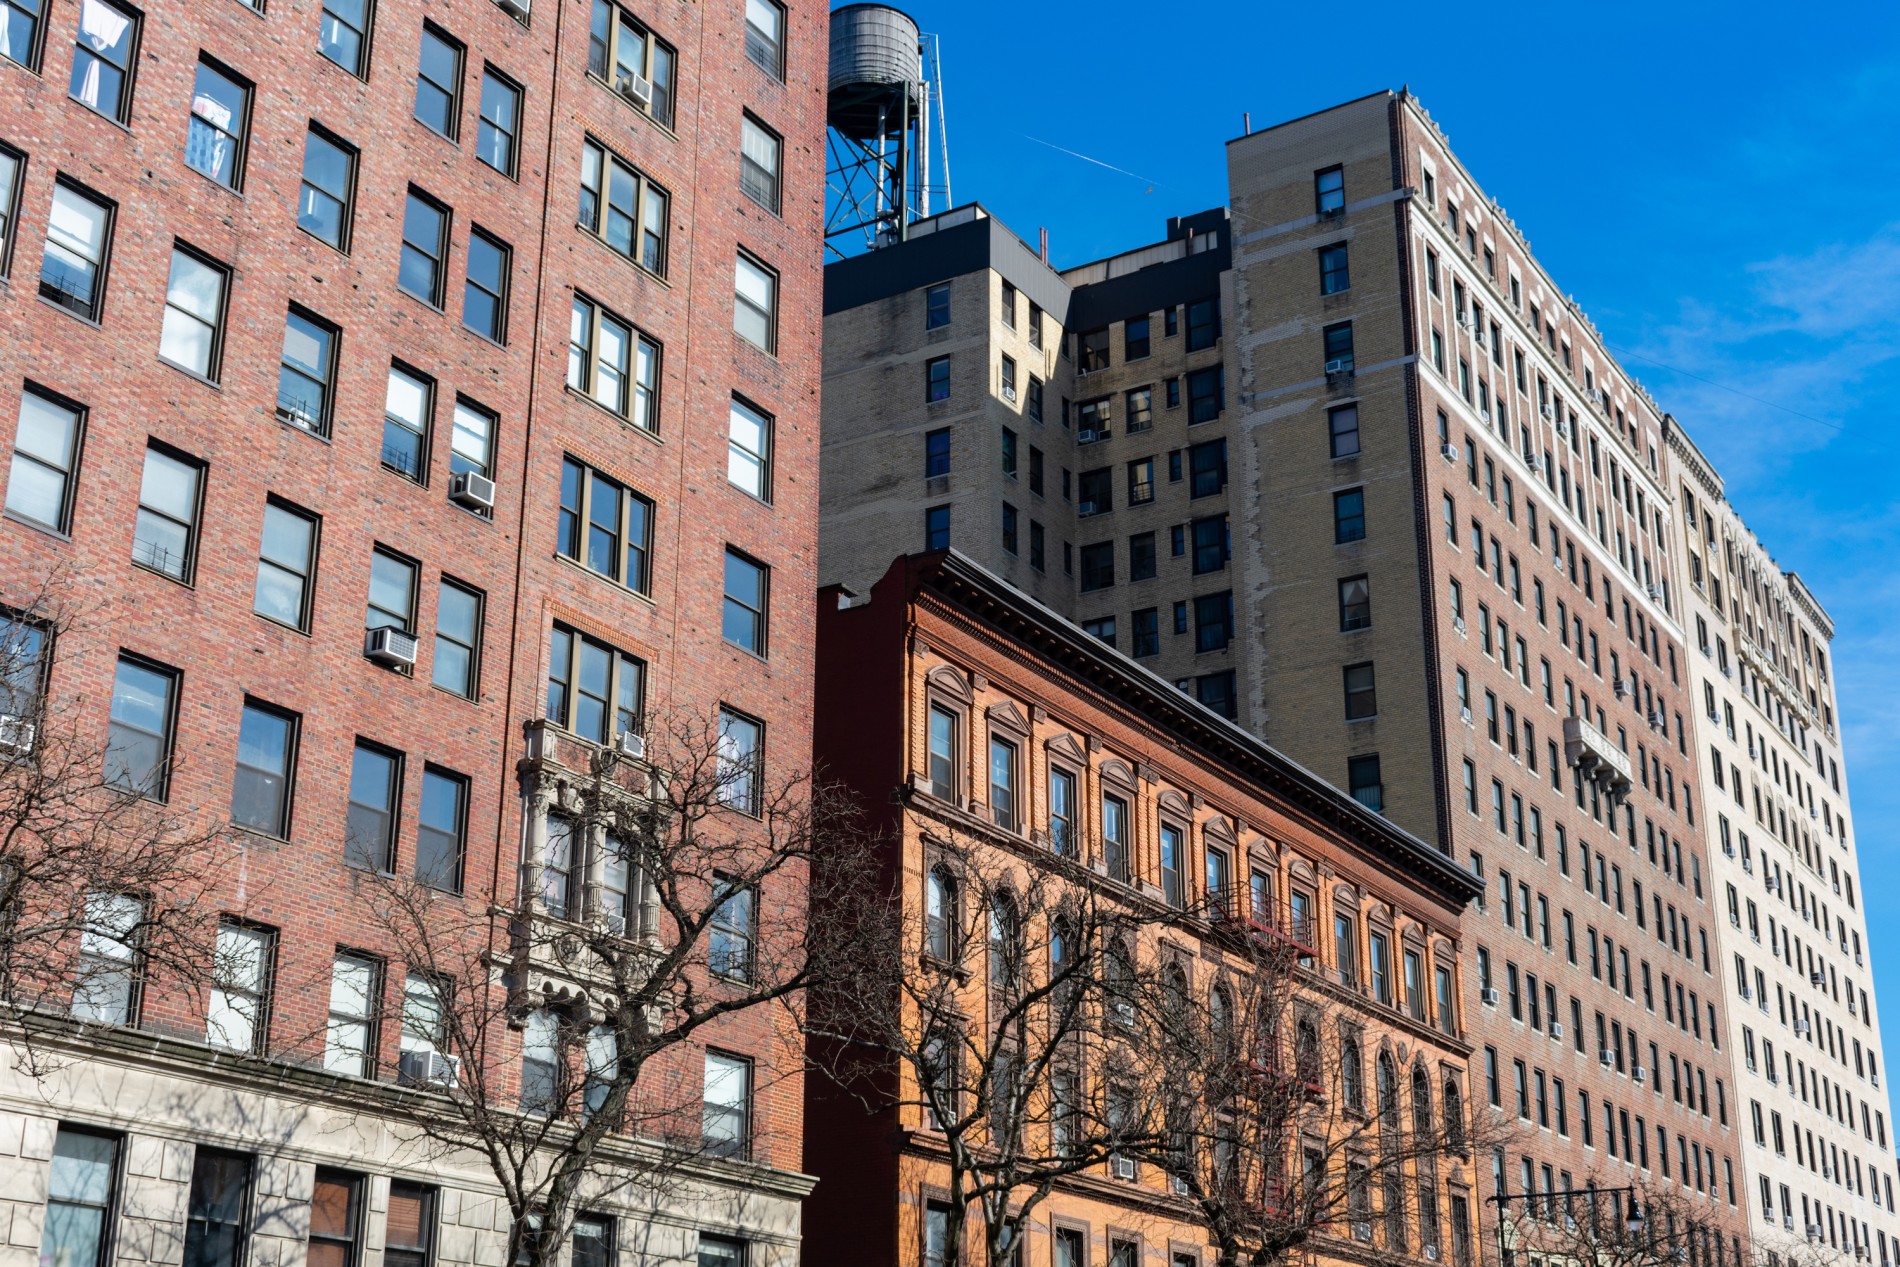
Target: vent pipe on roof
[(1045, 244), (1246, 123)]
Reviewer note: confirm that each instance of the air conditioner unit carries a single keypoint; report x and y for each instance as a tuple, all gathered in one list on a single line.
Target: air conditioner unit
[(1547, 411), (1087, 437), (1122, 1167), (1488, 996), (1787, 1222), (1745, 991), (1458, 623), (1606, 1057), (1801, 1025), (429, 1068), (1714, 716), (1086, 508), (1339, 366), (1653, 590), (1728, 847), (476, 491), (297, 416), (1640, 1074), (1431, 1253), (1817, 978), (1621, 689), (1464, 320), (16, 734), (1814, 813), (1464, 714), (1705, 650), (631, 744), (1009, 394), (634, 88), (1727, 672), (1556, 1031), (1449, 452), (390, 646)]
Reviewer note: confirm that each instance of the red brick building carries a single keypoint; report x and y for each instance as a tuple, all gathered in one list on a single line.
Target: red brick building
[(331, 329)]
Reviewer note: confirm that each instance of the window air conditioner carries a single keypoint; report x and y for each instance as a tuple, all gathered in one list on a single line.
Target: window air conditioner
[(632, 745), (1729, 849), (1556, 1031), (1787, 1221), (387, 645), (1458, 623), (1338, 366), (1464, 715), (1817, 978), (467, 488), (1489, 996), (1431, 1253), (16, 734), (1640, 1074), (1009, 394), (1122, 1167), (1087, 437), (297, 416), (634, 88), (1332, 213), (1547, 411), (1653, 590), (614, 922), (1746, 994), (1801, 1025), (1449, 452), (1085, 508), (1464, 320), (1606, 1057), (429, 1068)]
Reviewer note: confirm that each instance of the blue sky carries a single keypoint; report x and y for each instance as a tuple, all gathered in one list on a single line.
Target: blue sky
[(1719, 187)]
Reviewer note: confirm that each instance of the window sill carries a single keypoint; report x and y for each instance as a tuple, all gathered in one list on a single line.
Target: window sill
[(120, 124), (273, 621), (501, 343), (95, 322), (37, 526), (259, 833), (344, 250), (182, 582), (626, 422), (215, 183), (453, 694), (194, 375), (436, 308), (564, 561), (322, 437)]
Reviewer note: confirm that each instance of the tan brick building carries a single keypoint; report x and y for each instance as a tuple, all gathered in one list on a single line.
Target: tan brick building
[(997, 743), (413, 390)]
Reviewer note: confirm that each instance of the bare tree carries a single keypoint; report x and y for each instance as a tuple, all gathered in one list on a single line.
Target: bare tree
[(1610, 1221), (1009, 1024), (103, 884), (1289, 1117), (663, 893)]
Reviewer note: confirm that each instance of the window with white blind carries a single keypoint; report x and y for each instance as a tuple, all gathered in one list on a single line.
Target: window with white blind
[(759, 150)]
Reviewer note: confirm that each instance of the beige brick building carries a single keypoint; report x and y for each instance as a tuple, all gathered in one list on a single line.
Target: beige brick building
[(1450, 576)]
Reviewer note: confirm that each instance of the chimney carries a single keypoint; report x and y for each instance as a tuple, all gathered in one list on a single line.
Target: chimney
[(1246, 123)]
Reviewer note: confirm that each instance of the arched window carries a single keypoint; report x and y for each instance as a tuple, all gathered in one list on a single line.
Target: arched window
[(1454, 1117), (1062, 967), (1220, 1013), (1006, 950), (1421, 1103), (1306, 1053), (940, 913), (1388, 1092), (1178, 1024), (1351, 1075), (1118, 978)]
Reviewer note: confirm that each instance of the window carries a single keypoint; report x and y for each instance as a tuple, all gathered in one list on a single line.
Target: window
[(326, 199), (439, 82), (937, 528), (1145, 630), (622, 208), (485, 294), (20, 32), (717, 1251), (1362, 699), (441, 829), (937, 379), (1349, 515), (613, 364), (1362, 781), (937, 306), (1207, 468), (458, 633), (1329, 191), (726, 1126), (343, 35), (1338, 346), (107, 988), (1141, 556), (336, 1220), (1102, 627), (220, 117), (260, 789), (594, 690), (593, 1244), (1203, 324), (558, 894), (217, 1216), (1003, 756), (375, 792), (425, 247), (349, 1040), (744, 623), (627, 55), (1333, 274), (1171, 860), (759, 151), (943, 752), (1210, 544), (1355, 604), (164, 535), (240, 978), (1213, 621), (139, 735), (409, 1238), (755, 304), (82, 1184), (408, 407), (498, 130), (192, 334), (1010, 535), (741, 761), (306, 374), (734, 929), (103, 61), (1135, 339), (765, 36), (1342, 426), (286, 565), (1205, 397), (749, 450), (78, 241), (392, 592), (1098, 566), (45, 459), (10, 163)]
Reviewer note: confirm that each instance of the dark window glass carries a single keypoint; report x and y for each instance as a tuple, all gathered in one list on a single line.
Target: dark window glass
[(1135, 339), (214, 140), (1141, 556), (498, 130), (1355, 604), (1098, 565), (937, 307), (336, 1220), (1333, 276), (139, 738), (329, 180), (425, 245), (1216, 691), (1362, 699), (1362, 780), (1349, 515), (937, 379), (375, 785), (744, 622), (1205, 394), (1210, 545), (937, 454), (79, 1198), (260, 790), (439, 82), (343, 34), (1203, 324), (1146, 628), (306, 373), (1213, 621), (1342, 425), (440, 829), (937, 528), (216, 1215), (1207, 465), (485, 297), (1329, 191), (1339, 358)]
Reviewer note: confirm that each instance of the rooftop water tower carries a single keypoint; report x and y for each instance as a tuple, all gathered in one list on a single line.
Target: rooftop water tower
[(879, 106)]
